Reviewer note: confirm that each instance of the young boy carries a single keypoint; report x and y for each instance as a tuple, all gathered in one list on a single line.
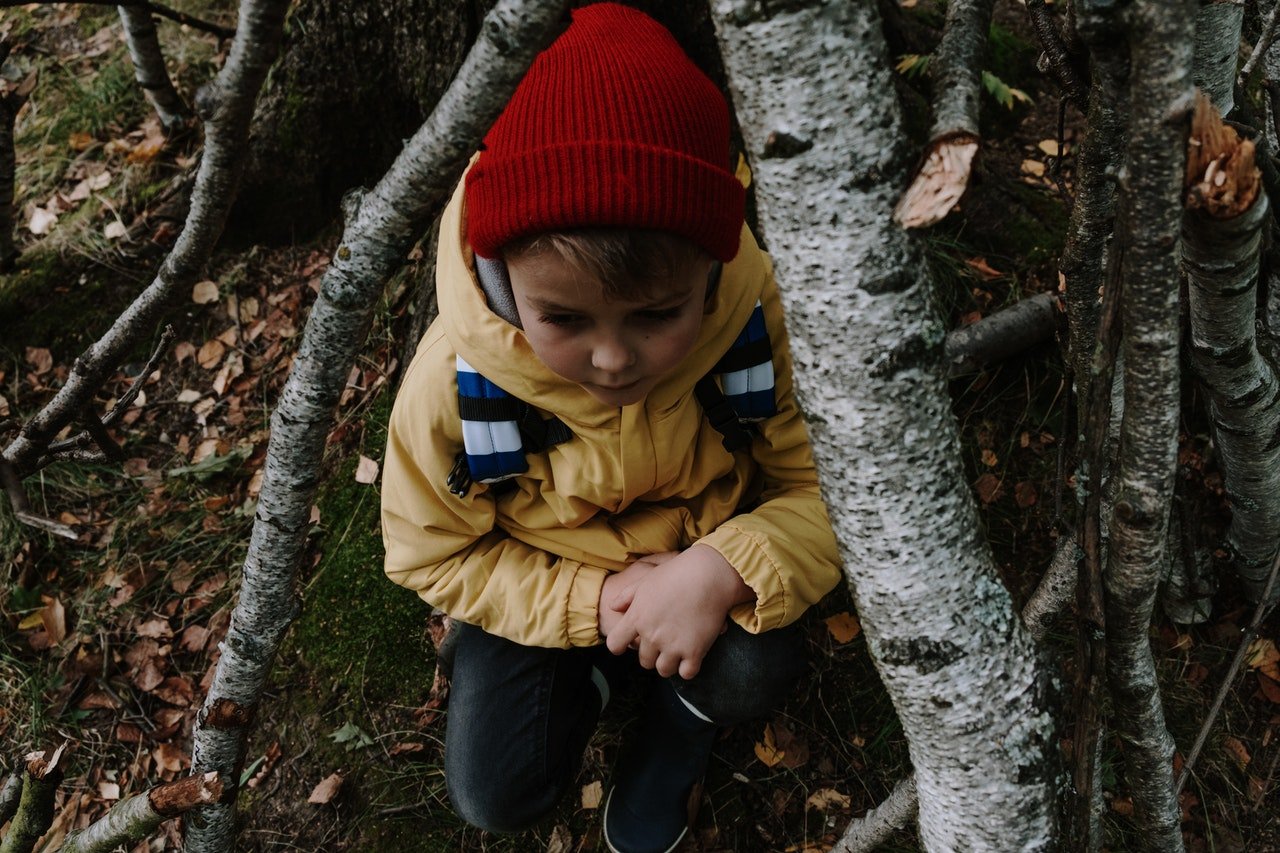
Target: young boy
[(594, 265)]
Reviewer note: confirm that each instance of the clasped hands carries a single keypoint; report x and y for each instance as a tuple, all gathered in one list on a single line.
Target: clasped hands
[(671, 607)]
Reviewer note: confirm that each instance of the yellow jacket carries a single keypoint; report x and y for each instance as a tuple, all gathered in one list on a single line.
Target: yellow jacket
[(639, 480)]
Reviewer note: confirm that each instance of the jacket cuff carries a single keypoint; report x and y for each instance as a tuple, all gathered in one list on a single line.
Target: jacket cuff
[(582, 617), (752, 561)]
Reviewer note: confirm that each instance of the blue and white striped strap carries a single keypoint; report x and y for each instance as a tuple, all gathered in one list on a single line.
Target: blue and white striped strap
[(746, 371), (490, 434)]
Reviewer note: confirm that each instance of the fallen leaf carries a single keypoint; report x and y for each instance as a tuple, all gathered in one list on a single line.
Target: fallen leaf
[(204, 292), (54, 617), (824, 798), (843, 627), (326, 790), (194, 638), (793, 748), (988, 488), (767, 751), (1270, 688), (1265, 657), (561, 840), (156, 629), (1237, 750), (40, 221), (115, 230), (990, 459), (366, 471), (1048, 146), (188, 395), (40, 359), (183, 350), (1025, 494), (983, 269), (406, 748), (80, 141), (211, 353), (1033, 167), (108, 790), (171, 757), (592, 794)]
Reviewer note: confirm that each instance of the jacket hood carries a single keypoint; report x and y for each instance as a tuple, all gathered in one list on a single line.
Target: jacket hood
[(501, 352)]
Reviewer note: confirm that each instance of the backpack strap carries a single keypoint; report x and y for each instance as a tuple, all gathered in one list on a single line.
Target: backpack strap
[(497, 431), (746, 372)]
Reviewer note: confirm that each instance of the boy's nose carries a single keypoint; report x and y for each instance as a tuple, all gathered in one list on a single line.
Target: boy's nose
[(611, 356)]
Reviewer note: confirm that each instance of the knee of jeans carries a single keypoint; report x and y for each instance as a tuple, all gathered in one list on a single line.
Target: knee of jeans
[(497, 805), (745, 676)]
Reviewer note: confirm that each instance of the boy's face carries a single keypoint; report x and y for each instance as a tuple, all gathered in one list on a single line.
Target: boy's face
[(617, 350)]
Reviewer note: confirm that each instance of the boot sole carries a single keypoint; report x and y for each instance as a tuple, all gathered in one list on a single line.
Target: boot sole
[(605, 830)]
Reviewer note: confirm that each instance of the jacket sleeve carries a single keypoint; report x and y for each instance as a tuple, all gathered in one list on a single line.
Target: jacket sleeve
[(784, 547), (448, 549)]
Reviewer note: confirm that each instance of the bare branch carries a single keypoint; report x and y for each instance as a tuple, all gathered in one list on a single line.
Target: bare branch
[(148, 67), (1023, 324), (9, 796), (35, 806), (382, 225), (22, 509), (1259, 51), (126, 400), (227, 105), (133, 819), (1061, 62)]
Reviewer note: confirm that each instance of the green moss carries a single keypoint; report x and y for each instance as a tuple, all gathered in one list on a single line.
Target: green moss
[(357, 628), (52, 301)]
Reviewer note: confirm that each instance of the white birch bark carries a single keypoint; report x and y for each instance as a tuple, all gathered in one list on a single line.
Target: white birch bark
[(1217, 51), (821, 123), (1161, 37), (133, 819), (148, 66), (381, 227), (1010, 330), (1221, 259)]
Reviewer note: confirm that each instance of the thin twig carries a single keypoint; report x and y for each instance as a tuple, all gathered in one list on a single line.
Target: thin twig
[(130, 395), (22, 509), (1260, 49), (1259, 613), (1061, 63)]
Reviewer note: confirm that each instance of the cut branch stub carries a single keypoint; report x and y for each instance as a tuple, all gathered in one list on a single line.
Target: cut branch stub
[(940, 183), (1222, 178)]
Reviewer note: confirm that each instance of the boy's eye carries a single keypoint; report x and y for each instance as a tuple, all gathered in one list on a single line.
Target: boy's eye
[(559, 319), (661, 315)]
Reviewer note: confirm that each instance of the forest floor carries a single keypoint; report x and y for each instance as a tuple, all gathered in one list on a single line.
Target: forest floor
[(109, 641)]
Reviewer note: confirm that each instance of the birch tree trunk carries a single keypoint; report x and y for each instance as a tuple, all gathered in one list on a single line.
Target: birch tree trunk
[(148, 66), (381, 227), (1217, 51), (1221, 246), (822, 126), (1161, 38)]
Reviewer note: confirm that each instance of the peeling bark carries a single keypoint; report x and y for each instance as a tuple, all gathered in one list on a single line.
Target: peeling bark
[(956, 70), (148, 67), (1222, 235), (381, 227), (1217, 51), (957, 663), (1093, 213), (35, 806), (1161, 37), (133, 819), (9, 796)]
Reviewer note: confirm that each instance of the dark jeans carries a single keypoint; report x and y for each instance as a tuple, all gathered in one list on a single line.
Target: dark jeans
[(520, 717)]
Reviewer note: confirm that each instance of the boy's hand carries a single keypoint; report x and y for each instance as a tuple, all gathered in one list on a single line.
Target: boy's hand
[(619, 588), (677, 609)]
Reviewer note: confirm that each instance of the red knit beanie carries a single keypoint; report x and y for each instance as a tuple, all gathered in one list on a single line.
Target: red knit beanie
[(612, 126)]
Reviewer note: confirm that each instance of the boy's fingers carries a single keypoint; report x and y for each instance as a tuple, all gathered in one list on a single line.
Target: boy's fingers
[(668, 664), (648, 655), (689, 667), (620, 638)]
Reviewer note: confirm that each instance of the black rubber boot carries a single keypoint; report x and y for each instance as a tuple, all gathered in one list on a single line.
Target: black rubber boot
[(661, 763)]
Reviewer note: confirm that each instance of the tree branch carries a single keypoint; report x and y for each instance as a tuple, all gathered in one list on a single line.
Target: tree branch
[(1222, 234), (148, 67), (11, 101), (1011, 330), (135, 818), (35, 806), (9, 796), (1217, 50), (1161, 38), (381, 227), (227, 105), (956, 70), (1061, 63)]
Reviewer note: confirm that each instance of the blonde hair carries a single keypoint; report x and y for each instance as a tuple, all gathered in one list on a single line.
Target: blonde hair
[(627, 261)]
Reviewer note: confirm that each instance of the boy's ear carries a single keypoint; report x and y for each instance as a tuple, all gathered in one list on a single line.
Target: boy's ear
[(713, 285)]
